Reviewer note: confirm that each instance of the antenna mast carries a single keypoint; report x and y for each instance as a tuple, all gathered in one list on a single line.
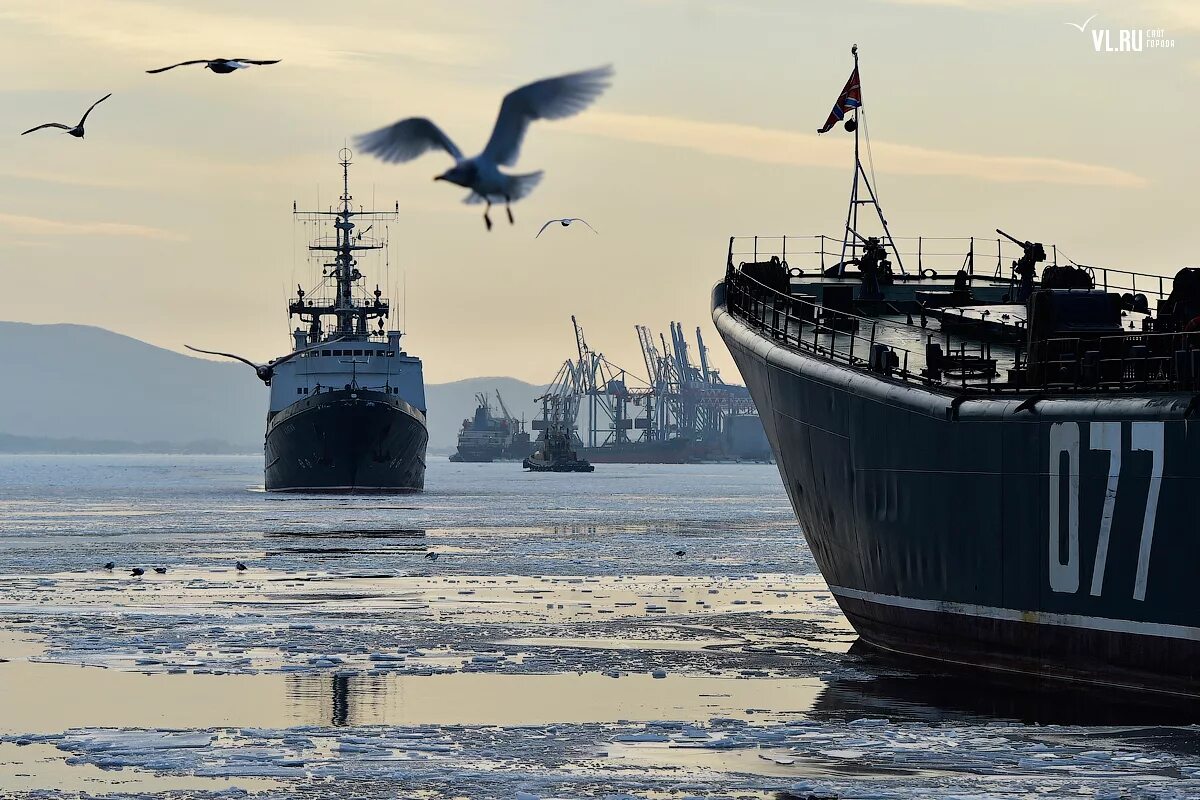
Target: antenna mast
[(850, 237)]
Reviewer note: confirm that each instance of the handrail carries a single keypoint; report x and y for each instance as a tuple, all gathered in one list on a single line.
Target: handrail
[(974, 255), (1131, 361)]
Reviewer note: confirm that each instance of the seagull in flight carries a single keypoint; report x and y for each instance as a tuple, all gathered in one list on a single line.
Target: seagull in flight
[(565, 221), (551, 98), (77, 131), (221, 66), (1083, 27), (265, 372)]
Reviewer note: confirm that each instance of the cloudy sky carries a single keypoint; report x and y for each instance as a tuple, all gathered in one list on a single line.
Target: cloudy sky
[(172, 221)]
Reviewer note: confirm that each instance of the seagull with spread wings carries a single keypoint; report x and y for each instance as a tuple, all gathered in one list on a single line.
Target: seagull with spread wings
[(565, 221), (265, 372), (221, 66), (77, 131), (552, 98)]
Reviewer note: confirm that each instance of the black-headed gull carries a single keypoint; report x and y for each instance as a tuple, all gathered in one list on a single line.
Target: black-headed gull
[(77, 131), (221, 66), (551, 98)]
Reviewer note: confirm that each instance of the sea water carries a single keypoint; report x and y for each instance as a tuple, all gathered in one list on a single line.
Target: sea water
[(641, 631)]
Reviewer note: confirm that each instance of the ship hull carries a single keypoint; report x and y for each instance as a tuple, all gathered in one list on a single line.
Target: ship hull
[(346, 441), (1055, 540)]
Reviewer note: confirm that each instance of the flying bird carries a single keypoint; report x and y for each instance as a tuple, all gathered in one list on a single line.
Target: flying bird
[(551, 98), (565, 221), (221, 66), (77, 131), (1083, 27), (265, 372), (137, 572)]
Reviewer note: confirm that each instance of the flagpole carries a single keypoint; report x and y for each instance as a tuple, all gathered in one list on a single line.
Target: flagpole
[(848, 237), (851, 240)]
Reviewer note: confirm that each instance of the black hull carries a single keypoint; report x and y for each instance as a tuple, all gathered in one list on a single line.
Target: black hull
[(1057, 541), (346, 441)]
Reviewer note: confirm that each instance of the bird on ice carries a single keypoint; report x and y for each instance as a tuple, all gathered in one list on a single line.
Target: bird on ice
[(76, 131), (431, 556), (241, 567), (137, 572), (161, 570), (565, 221), (109, 566), (551, 98), (221, 66)]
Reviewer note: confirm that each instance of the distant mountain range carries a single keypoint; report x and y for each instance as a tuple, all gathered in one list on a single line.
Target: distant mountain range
[(77, 388)]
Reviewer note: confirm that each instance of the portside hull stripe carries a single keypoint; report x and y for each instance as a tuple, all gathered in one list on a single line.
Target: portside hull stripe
[(1031, 617)]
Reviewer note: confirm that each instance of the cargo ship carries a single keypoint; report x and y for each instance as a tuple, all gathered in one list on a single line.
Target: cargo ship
[(486, 437), (992, 467), (347, 404)]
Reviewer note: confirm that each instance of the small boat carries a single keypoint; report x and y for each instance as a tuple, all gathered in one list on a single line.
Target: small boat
[(556, 447)]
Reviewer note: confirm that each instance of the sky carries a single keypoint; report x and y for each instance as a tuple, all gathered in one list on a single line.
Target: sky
[(171, 221)]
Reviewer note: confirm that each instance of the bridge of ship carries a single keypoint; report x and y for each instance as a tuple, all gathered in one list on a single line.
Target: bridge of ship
[(978, 337), (374, 363)]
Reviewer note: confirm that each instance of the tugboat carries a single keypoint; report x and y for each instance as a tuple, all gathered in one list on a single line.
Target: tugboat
[(347, 405), (485, 437), (991, 468), (557, 451)]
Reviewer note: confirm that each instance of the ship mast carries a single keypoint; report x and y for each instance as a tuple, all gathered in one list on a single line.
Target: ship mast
[(351, 315), (851, 238)]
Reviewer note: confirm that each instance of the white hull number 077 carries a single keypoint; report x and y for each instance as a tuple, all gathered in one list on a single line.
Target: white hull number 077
[(1064, 440)]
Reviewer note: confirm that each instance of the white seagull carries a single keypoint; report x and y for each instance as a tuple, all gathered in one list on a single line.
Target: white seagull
[(77, 131), (565, 221), (552, 98), (221, 66)]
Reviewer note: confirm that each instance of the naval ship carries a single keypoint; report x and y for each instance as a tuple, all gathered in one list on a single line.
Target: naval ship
[(347, 404), (992, 467)]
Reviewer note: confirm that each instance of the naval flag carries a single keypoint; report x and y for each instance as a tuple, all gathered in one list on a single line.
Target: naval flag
[(850, 99)]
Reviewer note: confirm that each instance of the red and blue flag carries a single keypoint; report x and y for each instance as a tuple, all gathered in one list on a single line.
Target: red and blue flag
[(850, 99)]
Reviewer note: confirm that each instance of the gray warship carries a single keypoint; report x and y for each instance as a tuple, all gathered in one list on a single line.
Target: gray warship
[(347, 405), (993, 451)]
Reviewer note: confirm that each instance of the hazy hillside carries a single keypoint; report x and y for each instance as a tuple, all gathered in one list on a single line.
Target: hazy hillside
[(79, 382)]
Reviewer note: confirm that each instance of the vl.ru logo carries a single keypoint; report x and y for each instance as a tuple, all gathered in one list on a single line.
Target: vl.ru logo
[(1124, 40)]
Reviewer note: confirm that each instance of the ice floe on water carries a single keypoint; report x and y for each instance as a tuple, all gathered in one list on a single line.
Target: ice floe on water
[(557, 647), (725, 757)]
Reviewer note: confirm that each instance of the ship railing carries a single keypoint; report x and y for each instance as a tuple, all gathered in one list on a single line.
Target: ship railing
[(983, 259), (829, 334), (1165, 362), (361, 298), (1118, 363)]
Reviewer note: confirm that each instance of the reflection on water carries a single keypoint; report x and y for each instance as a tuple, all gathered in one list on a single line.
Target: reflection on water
[(904, 689), (339, 700)]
